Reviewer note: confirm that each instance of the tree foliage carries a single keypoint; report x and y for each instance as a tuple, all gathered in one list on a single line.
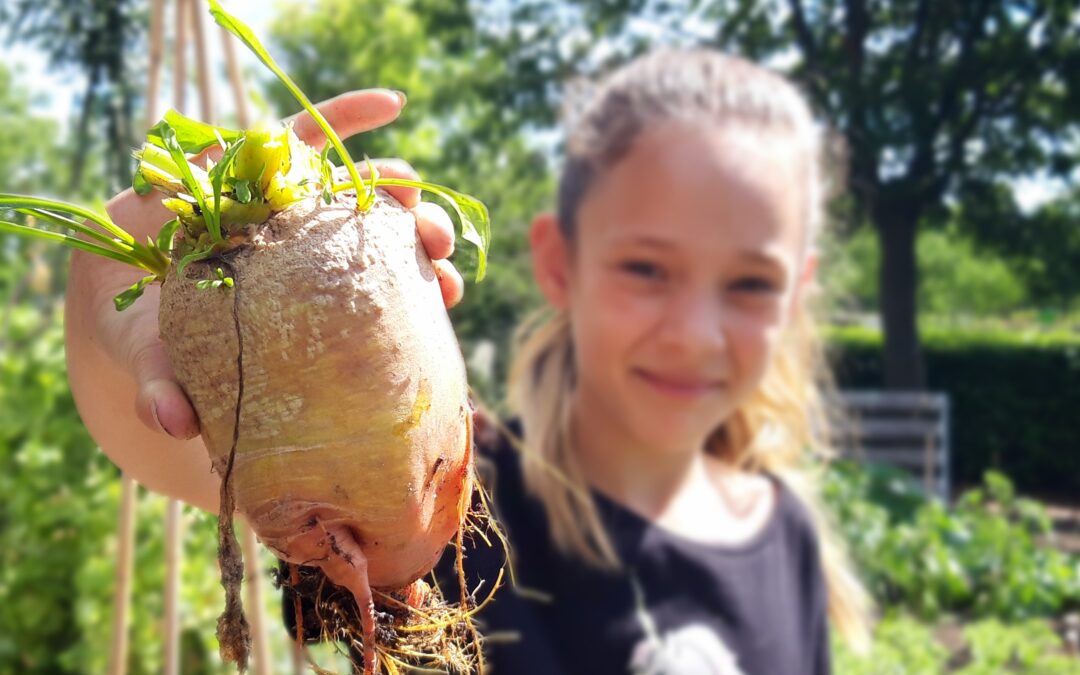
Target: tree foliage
[(97, 38)]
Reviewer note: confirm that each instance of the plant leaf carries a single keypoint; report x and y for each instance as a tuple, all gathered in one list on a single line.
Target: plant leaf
[(241, 31), (13, 201), (72, 224), (192, 135), (242, 191), (68, 240), (217, 176), (124, 300), (472, 214), (166, 234), (168, 138), (190, 258), (140, 184)]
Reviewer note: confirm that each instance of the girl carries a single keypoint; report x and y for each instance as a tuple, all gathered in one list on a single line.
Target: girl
[(667, 398)]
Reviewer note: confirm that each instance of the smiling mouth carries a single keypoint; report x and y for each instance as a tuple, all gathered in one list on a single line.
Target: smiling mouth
[(680, 387)]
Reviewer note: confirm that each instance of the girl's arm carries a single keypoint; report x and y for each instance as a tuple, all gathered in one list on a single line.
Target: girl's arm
[(121, 379)]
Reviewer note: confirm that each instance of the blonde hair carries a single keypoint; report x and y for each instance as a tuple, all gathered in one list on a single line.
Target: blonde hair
[(782, 425)]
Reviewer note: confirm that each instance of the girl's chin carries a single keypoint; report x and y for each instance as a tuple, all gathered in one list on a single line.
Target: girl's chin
[(673, 436)]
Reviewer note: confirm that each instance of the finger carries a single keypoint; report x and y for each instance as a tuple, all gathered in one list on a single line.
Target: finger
[(450, 282), (436, 230), (391, 168), (349, 114), (161, 404)]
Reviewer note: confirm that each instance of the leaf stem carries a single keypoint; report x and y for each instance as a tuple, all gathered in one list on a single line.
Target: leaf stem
[(13, 201)]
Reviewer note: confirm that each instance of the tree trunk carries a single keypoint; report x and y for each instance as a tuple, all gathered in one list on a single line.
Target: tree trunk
[(896, 223)]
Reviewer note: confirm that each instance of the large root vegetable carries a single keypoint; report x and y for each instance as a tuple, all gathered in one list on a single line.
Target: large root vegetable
[(306, 324), (331, 392)]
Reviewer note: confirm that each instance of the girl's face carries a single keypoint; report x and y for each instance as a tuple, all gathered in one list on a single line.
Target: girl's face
[(688, 256)]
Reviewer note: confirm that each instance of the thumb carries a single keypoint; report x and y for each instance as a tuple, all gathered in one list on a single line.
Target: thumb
[(161, 404)]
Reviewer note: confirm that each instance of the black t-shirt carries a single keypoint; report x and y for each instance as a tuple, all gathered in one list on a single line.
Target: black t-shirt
[(684, 607)]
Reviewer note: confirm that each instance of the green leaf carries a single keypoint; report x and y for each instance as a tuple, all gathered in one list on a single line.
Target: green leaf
[(242, 191), (124, 300), (166, 234), (13, 201), (168, 138), (241, 31), (472, 214), (71, 224), (68, 240), (192, 135), (190, 258), (140, 184), (218, 173)]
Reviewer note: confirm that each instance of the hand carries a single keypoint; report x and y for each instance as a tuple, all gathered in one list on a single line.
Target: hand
[(130, 337)]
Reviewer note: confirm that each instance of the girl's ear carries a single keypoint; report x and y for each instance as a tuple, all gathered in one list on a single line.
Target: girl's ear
[(550, 259)]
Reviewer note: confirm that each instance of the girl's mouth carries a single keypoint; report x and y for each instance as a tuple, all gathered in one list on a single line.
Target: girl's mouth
[(679, 386)]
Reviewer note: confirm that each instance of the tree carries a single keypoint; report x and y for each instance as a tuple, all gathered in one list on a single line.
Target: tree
[(96, 37), (934, 98)]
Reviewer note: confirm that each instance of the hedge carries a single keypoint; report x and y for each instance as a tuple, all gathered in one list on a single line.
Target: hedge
[(1015, 398)]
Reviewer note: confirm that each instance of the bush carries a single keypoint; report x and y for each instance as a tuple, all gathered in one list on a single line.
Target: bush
[(984, 557), (1013, 394)]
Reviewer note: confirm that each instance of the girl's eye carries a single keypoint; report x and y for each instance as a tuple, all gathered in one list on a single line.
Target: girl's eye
[(642, 269), (754, 285)]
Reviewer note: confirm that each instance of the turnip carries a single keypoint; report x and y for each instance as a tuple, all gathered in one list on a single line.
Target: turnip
[(305, 323)]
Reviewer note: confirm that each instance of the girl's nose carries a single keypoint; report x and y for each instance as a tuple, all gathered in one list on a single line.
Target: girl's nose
[(694, 322)]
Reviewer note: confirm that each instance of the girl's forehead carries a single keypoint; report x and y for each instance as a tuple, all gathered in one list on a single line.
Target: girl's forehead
[(732, 186)]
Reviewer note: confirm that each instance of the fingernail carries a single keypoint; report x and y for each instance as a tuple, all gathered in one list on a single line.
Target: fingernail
[(157, 420), (401, 97)]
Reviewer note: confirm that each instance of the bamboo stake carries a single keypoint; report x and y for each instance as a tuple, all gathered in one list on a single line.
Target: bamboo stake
[(179, 66), (206, 101), (122, 594), (239, 98), (157, 30), (260, 645), (173, 541)]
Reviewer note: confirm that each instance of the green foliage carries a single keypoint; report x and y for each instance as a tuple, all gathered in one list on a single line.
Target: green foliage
[(986, 556), (902, 646), (954, 277), (997, 379), (58, 531), (905, 646)]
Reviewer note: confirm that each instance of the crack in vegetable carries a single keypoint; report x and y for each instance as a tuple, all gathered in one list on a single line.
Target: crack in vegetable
[(233, 632)]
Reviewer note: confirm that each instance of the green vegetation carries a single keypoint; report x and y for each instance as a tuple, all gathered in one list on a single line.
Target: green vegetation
[(985, 556), (905, 646)]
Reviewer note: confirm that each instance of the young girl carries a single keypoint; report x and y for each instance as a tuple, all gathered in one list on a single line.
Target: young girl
[(659, 505), (661, 502)]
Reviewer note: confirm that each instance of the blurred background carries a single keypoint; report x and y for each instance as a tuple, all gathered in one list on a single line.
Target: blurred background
[(952, 266)]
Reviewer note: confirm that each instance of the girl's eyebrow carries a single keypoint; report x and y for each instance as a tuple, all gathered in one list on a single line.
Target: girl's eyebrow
[(761, 257), (649, 240)]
